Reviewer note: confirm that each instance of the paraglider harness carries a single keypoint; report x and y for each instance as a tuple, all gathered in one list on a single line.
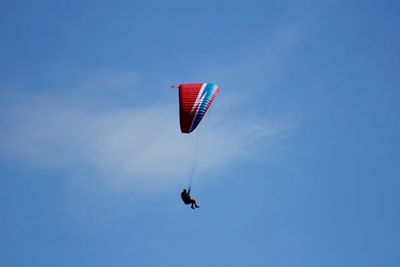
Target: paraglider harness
[(185, 195)]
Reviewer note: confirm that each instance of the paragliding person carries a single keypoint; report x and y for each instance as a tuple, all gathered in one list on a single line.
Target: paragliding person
[(187, 199), (194, 101)]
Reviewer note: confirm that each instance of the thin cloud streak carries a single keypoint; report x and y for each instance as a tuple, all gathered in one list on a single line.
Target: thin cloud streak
[(125, 148)]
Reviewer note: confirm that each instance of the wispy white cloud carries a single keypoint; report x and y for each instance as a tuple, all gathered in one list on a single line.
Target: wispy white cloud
[(124, 148)]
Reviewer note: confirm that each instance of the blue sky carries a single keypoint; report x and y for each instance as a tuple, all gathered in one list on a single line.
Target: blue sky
[(300, 163)]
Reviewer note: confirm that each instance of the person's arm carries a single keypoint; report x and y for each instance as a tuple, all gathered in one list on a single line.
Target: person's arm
[(189, 191)]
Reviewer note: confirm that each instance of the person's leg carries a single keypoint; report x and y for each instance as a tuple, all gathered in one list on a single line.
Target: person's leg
[(194, 203)]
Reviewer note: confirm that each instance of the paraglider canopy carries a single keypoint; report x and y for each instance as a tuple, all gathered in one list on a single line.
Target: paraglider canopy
[(194, 101)]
